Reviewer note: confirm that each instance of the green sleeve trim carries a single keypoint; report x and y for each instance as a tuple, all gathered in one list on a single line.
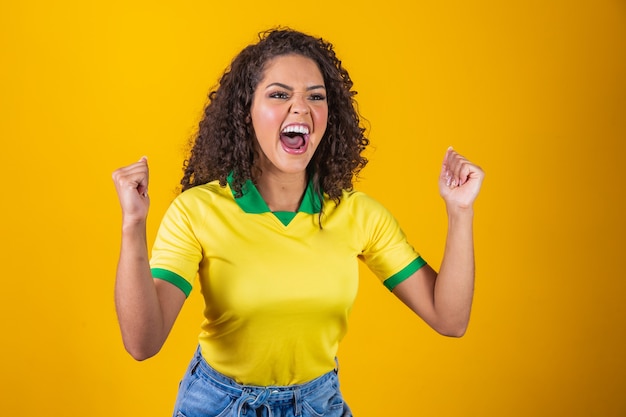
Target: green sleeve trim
[(172, 278), (406, 272)]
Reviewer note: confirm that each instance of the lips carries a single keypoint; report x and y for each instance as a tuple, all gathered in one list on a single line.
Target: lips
[(294, 138)]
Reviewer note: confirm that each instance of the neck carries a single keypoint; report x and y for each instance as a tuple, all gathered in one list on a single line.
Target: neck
[(282, 192)]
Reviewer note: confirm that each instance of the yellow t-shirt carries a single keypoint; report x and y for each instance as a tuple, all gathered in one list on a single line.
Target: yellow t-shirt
[(278, 289)]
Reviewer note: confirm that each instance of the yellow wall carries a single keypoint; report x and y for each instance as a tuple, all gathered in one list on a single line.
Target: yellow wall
[(534, 91)]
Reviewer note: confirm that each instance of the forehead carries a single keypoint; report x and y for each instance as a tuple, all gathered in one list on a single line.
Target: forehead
[(292, 67)]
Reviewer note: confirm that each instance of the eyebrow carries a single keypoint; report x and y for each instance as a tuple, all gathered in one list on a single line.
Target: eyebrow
[(286, 87)]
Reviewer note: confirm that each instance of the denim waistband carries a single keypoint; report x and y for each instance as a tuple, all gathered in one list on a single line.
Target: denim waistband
[(258, 396)]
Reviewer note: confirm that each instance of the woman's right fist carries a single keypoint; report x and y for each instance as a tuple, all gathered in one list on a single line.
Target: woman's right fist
[(131, 184)]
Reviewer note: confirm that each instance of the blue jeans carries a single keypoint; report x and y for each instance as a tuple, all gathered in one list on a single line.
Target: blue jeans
[(204, 392)]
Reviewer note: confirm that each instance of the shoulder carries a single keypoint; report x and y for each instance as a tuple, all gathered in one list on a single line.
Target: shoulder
[(367, 211), (360, 201), (362, 209), (202, 196), (211, 189)]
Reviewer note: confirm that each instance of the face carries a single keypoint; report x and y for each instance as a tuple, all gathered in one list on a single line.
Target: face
[(289, 114)]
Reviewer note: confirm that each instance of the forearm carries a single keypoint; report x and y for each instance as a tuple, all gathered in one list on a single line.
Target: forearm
[(444, 299), (136, 298), (454, 286)]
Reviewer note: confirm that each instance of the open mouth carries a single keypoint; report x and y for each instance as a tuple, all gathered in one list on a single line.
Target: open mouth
[(295, 138)]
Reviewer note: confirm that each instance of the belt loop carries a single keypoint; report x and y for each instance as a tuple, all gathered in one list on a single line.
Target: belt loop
[(194, 367), (297, 402)]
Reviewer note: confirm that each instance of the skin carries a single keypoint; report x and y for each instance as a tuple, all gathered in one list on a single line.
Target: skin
[(292, 91), (444, 300), (146, 307)]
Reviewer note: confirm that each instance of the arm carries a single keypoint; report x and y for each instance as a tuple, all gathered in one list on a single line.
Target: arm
[(146, 307), (444, 300)]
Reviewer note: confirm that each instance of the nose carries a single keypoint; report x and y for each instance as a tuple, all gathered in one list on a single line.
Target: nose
[(299, 104)]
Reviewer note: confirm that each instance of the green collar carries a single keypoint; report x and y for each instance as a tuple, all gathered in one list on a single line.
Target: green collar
[(252, 202)]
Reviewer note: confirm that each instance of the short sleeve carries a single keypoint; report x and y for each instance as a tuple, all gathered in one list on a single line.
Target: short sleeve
[(386, 252), (176, 253)]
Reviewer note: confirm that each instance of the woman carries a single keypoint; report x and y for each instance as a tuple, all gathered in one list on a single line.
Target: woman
[(270, 222)]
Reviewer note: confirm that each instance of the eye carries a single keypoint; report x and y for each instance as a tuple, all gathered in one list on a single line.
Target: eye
[(317, 97), (279, 94)]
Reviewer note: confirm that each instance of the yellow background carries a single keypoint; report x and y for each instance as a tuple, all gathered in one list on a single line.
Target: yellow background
[(533, 91)]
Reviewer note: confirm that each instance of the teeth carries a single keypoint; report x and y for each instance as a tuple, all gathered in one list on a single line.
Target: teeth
[(296, 129)]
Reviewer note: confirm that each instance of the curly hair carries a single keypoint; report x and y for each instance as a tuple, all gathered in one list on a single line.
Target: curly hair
[(224, 143)]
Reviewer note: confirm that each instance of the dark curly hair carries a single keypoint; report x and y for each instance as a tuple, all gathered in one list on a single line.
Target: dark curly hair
[(224, 142)]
